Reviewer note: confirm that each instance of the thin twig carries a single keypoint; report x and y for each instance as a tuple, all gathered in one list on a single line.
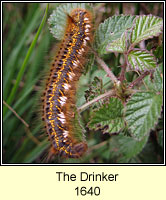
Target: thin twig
[(23, 121), (14, 112), (33, 138), (139, 74), (86, 105), (122, 74), (106, 68), (97, 146), (138, 79)]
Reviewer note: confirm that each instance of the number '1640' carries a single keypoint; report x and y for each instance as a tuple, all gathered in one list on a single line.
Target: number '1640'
[(91, 191)]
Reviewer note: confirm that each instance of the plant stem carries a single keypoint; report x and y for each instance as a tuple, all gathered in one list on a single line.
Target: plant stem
[(138, 79), (106, 68), (122, 74), (86, 105), (14, 112), (97, 146)]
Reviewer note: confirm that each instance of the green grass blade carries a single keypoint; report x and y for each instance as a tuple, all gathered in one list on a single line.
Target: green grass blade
[(22, 69), (36, 151)]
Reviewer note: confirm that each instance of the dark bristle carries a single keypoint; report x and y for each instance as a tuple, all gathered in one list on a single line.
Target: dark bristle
[(47, 109), (49, 91), (49, 124)]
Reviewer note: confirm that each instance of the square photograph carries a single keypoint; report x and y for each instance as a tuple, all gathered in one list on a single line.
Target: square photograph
[(82, 83)]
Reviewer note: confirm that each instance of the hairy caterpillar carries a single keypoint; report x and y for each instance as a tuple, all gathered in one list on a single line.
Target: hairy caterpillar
[(59, 95)]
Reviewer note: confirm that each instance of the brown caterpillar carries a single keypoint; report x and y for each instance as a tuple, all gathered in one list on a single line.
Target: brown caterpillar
[(59, 95)]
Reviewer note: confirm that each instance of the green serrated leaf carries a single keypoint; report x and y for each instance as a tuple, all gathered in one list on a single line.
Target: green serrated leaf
[(58, 19), (94, 89), (98, 85), (111, 30), (154, 84), (146, 27), (158, 80), (102, 75), (141, 60), (142, 113), (109, 117), (118, 45)]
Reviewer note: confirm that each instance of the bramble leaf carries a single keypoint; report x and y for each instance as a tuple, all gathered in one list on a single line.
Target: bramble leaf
[(118, 45), (94, 90), (109, 117), (58, 19), (111, 30), (146, 26), (155, 83), (158, 80), (141, 60), (142, 113)]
